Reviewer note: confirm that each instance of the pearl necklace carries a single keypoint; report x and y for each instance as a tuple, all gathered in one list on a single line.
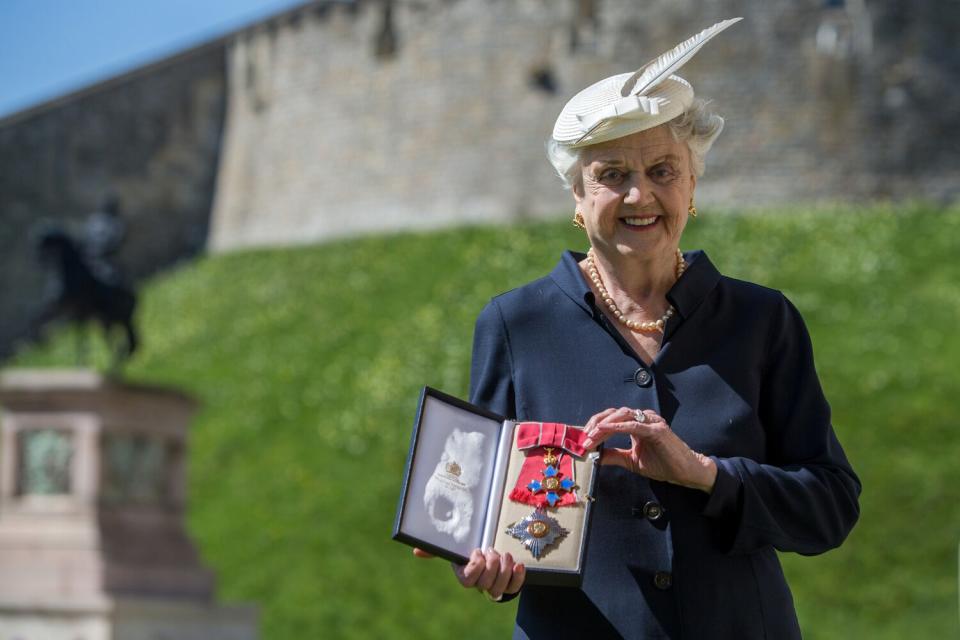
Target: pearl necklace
[(646, 327)]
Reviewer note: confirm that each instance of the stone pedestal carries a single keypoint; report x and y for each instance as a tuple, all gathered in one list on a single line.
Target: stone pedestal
[(92, 541)]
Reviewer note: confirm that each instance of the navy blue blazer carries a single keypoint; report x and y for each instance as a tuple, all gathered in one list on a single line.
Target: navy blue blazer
[(735, 379)]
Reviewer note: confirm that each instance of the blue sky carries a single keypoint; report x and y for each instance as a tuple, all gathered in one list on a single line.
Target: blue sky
[(52, 47)]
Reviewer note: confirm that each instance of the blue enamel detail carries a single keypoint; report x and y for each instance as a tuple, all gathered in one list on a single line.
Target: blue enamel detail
[(534, 485), (567, 484), (552, 498), (550, 472)]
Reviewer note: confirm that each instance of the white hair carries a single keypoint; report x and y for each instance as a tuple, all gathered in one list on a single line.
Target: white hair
[(697, 126)]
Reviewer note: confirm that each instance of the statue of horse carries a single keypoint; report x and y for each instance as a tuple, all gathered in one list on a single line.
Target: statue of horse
[(80, 294)]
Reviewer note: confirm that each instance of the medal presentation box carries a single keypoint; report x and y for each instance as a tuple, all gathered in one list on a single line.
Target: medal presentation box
[(474, 480)]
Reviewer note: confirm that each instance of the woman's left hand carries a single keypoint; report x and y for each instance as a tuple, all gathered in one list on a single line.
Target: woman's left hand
[(656, 452)]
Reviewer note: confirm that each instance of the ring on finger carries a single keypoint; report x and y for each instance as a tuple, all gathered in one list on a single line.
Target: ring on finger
[(639, 416)]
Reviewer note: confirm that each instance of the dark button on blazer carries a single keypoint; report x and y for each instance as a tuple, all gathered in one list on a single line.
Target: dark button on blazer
[(735, 379)]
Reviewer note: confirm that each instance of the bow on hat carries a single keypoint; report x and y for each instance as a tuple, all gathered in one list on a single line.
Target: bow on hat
[(635, 106), (630, 102)]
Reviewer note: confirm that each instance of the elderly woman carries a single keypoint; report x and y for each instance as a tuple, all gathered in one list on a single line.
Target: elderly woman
[(718, 447)]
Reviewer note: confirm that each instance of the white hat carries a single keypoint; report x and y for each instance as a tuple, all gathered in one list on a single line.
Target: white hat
[(630, 102)]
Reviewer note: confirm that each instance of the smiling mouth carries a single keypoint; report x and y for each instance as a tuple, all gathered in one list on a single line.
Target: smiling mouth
[(639, 222)]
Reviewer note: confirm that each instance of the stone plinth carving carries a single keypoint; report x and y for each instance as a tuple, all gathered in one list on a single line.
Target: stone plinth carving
[(92, 540)]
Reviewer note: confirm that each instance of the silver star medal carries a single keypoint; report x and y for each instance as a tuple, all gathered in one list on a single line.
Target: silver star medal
[(537, 532)]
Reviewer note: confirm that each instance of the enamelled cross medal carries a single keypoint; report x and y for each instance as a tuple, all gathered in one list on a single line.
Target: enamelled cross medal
[(551, 483), (546, 481)]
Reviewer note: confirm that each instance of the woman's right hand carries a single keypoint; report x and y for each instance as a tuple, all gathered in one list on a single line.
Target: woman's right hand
[(493, 573)]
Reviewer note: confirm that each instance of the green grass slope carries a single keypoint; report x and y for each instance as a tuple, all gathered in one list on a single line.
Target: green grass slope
[(309, 361)]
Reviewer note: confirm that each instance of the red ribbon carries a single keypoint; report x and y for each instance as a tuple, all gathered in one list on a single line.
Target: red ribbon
[(534, 438)]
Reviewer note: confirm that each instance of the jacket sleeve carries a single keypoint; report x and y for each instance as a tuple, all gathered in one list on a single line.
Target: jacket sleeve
[(804, 496), (491, 368), (491, 372)]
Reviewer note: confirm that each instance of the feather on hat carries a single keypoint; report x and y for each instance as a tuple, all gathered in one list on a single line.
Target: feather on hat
[(630, 102)]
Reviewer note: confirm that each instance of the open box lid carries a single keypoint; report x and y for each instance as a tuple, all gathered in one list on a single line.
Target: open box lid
[(449, 477)]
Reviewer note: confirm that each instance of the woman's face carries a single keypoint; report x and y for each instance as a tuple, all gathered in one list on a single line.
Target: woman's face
[(635, 193)]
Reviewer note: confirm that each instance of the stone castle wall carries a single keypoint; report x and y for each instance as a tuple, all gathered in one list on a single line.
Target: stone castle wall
[(338, 125)]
